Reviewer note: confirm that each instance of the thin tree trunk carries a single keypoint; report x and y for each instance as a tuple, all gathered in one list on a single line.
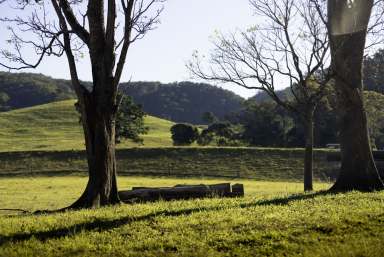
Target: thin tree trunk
[(308, 156), (358, 170)]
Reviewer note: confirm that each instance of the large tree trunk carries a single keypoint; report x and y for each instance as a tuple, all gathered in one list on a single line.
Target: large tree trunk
[(308, 156), (98, 109), (98, 119), (358, 170)]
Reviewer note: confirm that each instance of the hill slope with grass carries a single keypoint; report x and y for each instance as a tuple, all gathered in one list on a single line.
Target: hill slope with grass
[(55, 126), (178, 101)]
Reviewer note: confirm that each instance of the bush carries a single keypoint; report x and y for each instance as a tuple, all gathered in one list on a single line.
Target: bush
[(205, 138), (130, 121), (220, 134), (184, 134)]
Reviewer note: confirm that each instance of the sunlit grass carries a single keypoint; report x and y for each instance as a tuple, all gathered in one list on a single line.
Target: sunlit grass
[(36, 193), (273, 219), (55, 126), (268, 221)]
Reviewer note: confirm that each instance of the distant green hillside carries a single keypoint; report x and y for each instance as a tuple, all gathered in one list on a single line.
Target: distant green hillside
[(55, 126), (181, 102), (19, 90)]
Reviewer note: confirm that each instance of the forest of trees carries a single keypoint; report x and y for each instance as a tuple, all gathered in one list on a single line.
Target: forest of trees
[(179, 102), (19, 90), (264, 123), (183, 101)]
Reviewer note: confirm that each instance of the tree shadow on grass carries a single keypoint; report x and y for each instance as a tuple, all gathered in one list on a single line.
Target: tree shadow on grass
[(100, 225)]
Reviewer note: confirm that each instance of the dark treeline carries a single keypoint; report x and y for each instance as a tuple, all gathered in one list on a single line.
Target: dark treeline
[(261, 122), (19, 90), (183, 101), (266, 124), (179, 102)]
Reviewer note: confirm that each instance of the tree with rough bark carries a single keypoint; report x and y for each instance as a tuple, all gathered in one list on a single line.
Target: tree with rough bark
[(289, 47), (348, 26), (106, 29)]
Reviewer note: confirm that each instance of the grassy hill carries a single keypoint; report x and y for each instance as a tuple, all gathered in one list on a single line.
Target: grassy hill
[(55, 126), (177, 101), (53, 133)]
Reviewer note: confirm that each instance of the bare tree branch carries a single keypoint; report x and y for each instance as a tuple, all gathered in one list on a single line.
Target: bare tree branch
[(136, 25), (289, 45), (80, 31)]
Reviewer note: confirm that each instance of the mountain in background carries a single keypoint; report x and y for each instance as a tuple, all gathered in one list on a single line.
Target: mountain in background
[(19, 90), (183, 101), (263, 97), (179, 101)]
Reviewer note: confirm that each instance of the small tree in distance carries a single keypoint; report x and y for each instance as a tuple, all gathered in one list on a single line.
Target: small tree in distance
[(290, 47), (130, 121), (184, 134)]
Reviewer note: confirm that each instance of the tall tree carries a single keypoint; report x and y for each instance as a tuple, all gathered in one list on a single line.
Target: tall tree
[(348, 23), (95, 25), (289, 45)]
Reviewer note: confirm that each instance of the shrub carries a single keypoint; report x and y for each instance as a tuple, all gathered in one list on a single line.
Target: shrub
[(184, 134), (220, 134), (205, 138), (130, 121)]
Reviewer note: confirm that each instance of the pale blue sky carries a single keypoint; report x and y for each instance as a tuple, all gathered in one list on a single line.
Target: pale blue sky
[(186, 25)]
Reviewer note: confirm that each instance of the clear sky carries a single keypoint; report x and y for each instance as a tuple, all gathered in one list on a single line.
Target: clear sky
[(186, 25)]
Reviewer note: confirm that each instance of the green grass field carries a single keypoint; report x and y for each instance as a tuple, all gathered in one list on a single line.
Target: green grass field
[(256, 163), (273, 219), (55, 126), (51, 140)]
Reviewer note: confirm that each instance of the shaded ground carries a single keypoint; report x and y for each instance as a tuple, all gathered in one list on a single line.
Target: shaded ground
[(259, 163)]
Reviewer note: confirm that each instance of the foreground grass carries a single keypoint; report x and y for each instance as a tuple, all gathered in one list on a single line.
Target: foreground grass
[(270, 220), (55, 126)]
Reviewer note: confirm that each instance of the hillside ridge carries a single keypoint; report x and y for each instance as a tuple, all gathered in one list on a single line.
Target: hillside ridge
[(55, 126), (178, 101)]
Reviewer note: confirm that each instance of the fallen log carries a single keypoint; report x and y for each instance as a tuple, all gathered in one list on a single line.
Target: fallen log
[(179, 192)]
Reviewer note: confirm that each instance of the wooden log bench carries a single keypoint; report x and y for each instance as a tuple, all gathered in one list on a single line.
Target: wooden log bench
[(180, 192)]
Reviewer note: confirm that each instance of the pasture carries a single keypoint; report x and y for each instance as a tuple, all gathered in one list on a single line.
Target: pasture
[(43, 167), (55, 126), (274, 218)]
